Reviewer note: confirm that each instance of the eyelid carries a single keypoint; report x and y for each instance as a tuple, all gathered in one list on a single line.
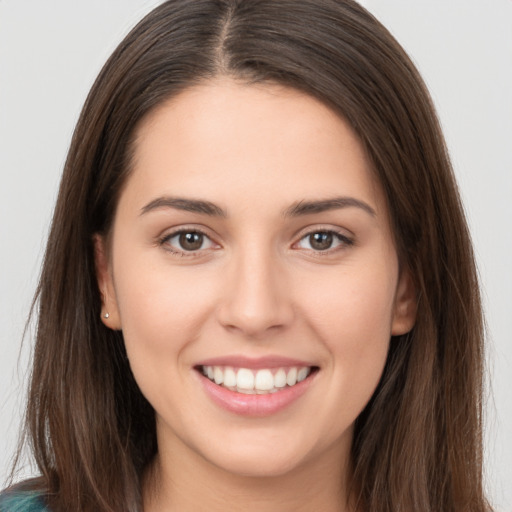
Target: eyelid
[(321, 227)]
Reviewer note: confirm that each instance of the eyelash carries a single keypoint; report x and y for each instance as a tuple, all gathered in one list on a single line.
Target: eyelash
[(343, 242)]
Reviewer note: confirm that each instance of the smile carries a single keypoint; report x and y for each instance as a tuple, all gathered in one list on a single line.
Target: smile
[(255, 387), (261, 381)]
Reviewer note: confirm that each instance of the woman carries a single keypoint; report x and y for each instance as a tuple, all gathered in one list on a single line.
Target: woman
[(259, 290)]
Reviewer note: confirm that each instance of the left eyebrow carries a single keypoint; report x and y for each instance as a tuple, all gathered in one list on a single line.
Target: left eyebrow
[(324, 205)]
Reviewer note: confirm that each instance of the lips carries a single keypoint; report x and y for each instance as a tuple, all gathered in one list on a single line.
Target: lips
[(255, 387)]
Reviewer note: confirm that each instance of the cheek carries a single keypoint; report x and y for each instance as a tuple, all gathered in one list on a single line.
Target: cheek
[(161, 308), (164, 311), (353, 321), (355, 303), (161, 315)]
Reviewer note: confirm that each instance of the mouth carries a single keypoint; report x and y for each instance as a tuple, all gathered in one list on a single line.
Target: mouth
[(260, 381)]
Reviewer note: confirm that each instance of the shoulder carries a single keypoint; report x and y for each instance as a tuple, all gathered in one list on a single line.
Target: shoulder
[(22, 501)]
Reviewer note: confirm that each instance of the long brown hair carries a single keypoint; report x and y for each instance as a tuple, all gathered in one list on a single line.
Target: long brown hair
[(417, 445)]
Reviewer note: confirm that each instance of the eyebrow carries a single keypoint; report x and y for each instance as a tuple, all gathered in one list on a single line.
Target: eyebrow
[(297, 209), (188, 205), (324, 205)]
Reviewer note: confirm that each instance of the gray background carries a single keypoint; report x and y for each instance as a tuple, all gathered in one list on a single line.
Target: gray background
[(50, 53)]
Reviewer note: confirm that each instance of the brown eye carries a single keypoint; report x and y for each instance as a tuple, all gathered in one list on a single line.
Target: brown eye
[(191, 241), (187, 242), (321, 241), (324, 241)]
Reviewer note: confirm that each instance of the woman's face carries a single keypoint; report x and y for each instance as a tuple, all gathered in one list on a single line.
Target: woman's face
[(252, 243)]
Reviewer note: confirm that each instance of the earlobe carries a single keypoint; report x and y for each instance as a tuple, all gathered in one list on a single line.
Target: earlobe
[(406, 305), (109, 310)]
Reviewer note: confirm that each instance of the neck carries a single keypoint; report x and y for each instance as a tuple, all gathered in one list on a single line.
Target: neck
[(186, 482)]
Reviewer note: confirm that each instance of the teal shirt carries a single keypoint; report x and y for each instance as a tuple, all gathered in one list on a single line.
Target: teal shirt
[(22, 501)]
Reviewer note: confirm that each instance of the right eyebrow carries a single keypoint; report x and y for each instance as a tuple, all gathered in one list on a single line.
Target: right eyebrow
[(188, 205)]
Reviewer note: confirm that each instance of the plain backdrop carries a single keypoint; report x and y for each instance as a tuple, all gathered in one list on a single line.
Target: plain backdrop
[(50, 53)]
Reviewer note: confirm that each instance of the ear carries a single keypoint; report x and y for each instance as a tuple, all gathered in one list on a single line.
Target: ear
[(406, 304), (109, 310)]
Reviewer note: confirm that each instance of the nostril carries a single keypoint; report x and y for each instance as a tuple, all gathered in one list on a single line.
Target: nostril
[(255, 320), (255, 298)]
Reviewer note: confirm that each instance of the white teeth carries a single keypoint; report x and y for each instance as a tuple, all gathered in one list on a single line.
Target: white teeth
[(218, 375), (280, 378), (264, 380), (302, 374), (260, 382), (291, 377), (229, 378), (245, 379)]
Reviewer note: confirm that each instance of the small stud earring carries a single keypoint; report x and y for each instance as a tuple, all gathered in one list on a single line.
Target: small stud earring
[(106, 315)]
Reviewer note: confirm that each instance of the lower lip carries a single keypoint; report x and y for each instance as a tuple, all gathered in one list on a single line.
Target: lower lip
[(255, 405)]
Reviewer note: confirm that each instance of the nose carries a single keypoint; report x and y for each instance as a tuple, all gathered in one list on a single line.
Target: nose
[(256, 298)]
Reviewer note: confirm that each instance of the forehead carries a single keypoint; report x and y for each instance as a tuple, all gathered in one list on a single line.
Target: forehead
[(229, 139)]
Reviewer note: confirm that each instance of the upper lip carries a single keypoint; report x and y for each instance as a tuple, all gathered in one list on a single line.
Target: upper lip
[(239, 361)]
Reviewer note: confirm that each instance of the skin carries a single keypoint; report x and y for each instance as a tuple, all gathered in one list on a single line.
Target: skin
[(256, 287)]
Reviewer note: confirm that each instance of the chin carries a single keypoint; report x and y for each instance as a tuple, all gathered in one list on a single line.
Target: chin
[(267, 458), (260, 467)]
